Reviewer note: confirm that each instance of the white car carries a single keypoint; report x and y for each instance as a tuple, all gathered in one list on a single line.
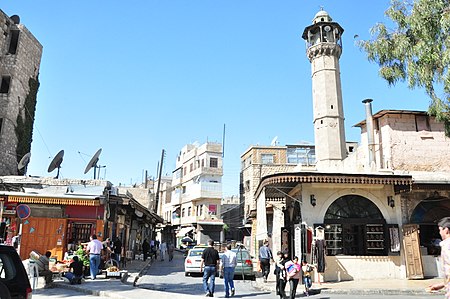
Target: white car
[(193, 261)]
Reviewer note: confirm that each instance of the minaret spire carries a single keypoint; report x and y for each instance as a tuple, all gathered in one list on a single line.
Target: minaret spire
[(324, 48)]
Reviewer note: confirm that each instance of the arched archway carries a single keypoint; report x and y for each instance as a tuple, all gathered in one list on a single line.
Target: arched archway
[(426, 214), (355, 226)]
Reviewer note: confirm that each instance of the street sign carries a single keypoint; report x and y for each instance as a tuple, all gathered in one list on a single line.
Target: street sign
[(23, 211)]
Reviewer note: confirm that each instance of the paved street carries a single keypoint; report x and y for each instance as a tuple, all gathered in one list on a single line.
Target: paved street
[(169, 277)]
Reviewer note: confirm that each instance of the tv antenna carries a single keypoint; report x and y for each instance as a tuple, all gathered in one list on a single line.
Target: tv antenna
[(23, 163), (274, 141), (56, 163), (93, 164)]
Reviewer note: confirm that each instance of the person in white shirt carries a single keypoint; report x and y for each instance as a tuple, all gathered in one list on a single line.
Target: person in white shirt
[(94, 248), (163, 250), (228, 264)]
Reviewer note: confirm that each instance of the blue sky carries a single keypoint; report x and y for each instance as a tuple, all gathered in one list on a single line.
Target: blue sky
[(135, 77)]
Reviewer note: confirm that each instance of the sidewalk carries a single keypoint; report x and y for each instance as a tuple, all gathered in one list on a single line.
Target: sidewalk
[(116, 288), (362, 287)]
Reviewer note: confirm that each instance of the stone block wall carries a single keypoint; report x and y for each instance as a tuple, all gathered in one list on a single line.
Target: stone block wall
[(20, 66)]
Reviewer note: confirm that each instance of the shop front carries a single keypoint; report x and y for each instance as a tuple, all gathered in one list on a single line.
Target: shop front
[(347, 224)]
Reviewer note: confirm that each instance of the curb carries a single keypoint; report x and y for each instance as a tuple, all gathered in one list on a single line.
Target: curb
[(270, 287), (123, 280), (90, 292)]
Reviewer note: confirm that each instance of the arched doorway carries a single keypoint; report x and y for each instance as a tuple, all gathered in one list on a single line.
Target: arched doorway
[(426, 214), (355, 226)]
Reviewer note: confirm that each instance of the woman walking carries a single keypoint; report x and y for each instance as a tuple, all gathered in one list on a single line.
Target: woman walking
[(294, 272)]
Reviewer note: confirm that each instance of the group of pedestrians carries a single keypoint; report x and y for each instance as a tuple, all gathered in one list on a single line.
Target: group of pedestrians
[(286, 271), (151, 250)]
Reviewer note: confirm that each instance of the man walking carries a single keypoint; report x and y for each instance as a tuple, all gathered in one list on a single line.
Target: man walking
[(444, 231), (94, 248), (209, 263), (163, 250), (170, 250), (228, 264), (265, 256)]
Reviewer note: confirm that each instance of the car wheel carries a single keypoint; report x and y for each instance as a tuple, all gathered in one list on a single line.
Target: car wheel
[(4, 292), (186, 273)]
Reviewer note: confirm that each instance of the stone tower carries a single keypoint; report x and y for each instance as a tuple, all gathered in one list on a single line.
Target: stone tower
[(324, 48), (20, 58)]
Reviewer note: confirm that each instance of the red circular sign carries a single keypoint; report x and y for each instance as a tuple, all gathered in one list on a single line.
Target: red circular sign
[(23, 211)]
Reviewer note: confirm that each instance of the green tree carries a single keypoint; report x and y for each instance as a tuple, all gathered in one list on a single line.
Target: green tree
[(416, 50)]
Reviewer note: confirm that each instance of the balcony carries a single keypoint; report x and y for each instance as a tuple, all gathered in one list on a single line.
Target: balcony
[(203, 190)]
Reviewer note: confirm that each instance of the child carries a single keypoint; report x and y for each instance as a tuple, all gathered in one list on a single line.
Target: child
[(307, 270)]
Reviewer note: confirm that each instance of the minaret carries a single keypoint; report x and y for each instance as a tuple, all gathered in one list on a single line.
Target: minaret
[(324, 48)]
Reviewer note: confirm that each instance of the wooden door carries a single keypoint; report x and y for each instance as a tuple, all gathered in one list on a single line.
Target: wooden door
[(414, 267), (42, 234)]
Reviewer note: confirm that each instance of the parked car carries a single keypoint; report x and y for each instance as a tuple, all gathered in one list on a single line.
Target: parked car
[(14, 281), (193, 261), (244, 267)]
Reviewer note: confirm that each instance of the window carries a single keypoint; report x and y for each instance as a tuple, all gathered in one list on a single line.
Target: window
[(213, 162), (183, 212), (247, 185), (7, 267), (212, 209), (4, 86), (203, 162), (422, 123), (184, 189), (1, 125), (301, 155), (189, 211), (191, 167), (200, 210), (13, 42), (355, 226), (266, 158), (184, 171)]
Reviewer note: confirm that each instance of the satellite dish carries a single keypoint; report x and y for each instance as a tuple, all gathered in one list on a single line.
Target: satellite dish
[(56, 162), (274, 141), (23, 163), (93, 162)]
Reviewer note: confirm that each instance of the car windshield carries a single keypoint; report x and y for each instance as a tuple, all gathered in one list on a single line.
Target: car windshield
[(195, 252)]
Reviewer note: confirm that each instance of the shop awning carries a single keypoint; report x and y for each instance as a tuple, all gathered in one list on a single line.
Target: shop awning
[(184, 230), (54, 201)]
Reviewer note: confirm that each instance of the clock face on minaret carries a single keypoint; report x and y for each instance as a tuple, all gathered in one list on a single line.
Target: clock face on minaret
[(324, 48)]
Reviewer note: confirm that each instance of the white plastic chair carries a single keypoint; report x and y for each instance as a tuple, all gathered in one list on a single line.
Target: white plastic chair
[(33, 273)]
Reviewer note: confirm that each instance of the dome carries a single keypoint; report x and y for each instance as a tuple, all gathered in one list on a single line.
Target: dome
[(322, 16)]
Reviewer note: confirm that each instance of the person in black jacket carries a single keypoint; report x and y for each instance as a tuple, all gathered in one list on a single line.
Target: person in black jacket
[(280, 273), (210, 262), (145, 249)]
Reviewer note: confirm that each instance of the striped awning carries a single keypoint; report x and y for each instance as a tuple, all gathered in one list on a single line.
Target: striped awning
[(54, 200)]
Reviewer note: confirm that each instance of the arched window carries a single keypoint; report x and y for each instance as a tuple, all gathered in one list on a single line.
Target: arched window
[(353, 207), (355, 226)]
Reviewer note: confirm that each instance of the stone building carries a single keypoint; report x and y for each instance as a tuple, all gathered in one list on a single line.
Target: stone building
[(371, 208), (190, 203), (20, 58)]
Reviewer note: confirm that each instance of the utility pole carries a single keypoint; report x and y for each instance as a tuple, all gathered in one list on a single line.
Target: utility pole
[(159, 181)]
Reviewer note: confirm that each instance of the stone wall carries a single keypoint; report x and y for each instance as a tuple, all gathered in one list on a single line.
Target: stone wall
[(20, 66)]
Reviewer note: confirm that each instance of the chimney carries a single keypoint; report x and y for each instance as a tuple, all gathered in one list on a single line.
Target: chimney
[(370, 130)]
